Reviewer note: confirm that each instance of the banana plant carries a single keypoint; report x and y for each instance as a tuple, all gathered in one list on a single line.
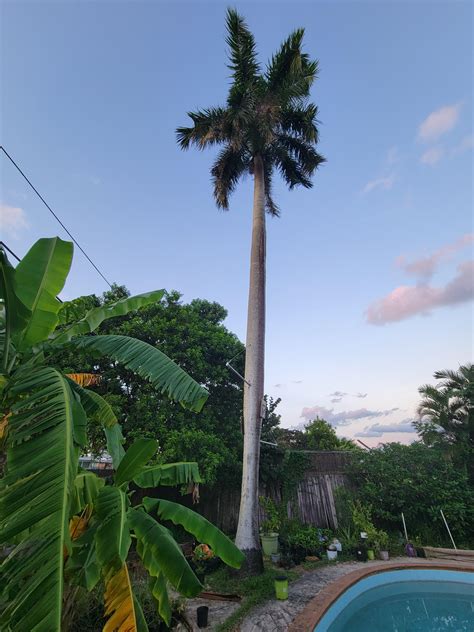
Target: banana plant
[(43, 416), (102, 548)]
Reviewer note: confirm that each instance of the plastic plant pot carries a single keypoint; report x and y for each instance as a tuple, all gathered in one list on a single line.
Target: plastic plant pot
[(269, 543), (275, 557), (370, 554), (281, 587), (384, 555), (332, 555), (202, 615)]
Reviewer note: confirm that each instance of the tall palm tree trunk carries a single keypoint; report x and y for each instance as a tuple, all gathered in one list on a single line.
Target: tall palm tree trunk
[(247, 531)]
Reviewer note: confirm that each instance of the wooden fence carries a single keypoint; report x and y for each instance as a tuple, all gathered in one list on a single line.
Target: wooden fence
[(313, 503)]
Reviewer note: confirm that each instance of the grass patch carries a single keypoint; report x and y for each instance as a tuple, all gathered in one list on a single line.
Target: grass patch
[(253, 590)]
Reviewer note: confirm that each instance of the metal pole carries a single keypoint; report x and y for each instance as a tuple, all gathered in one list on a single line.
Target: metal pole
[(404, 527), (446, 525)]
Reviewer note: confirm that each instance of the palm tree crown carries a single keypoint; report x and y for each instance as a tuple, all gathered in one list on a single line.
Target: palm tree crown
[(267, 114)]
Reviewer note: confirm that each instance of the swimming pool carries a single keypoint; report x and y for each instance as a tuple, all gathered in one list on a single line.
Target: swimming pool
[(412, 600)]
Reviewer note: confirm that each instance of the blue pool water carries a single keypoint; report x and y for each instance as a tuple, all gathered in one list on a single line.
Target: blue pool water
[(415, 600)]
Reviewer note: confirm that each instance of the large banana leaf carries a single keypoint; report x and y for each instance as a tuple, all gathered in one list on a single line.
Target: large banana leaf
[(81, 566), (39, 277), (98, 315), (96, 407), (113, 535), (35, 500), (87, 486), (115, 441), (151, 364), (160, 594), (161, 554), (120, 604), (15, 314), (171, 474), (201, 528), (137, 455)]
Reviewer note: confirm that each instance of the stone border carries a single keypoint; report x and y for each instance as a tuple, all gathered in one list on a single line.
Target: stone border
[(307, 620)]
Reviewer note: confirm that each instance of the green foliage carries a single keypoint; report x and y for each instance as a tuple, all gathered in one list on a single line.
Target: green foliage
[(273, 517), (194, 336), (446, 415), (419, 481), (46, 413)]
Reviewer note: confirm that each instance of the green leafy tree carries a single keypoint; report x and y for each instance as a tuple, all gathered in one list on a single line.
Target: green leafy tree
[(446, 414), (267, 125), (44, 418), (195, 336), (416, 480)]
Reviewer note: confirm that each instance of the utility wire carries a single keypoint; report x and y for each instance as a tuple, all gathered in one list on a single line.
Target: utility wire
[(54, 215), (4, 245)]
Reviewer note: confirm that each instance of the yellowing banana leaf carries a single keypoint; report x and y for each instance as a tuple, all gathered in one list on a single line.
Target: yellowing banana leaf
[(119, 602), (84, 379)]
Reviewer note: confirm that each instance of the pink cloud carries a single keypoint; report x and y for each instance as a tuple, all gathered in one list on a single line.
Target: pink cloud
[(432, 156), (406, 301), (425, 267), (343, 418), (439, 122)]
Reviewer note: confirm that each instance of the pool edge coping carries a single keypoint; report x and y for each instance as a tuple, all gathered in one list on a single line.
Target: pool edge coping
[(315, 609)]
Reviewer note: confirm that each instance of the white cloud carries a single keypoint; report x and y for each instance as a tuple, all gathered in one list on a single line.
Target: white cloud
[(439, 122), (432, 155), (12, 220), (393, 155), (379, 183), (466, 144)]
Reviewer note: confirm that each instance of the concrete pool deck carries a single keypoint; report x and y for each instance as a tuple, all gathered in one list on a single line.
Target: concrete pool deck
[(310, 596)]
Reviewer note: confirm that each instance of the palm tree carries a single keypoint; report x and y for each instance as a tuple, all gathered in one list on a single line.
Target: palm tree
[(446, 413), (267, 125)]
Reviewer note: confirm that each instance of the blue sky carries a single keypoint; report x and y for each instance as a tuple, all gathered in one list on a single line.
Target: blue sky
[(91, 96)]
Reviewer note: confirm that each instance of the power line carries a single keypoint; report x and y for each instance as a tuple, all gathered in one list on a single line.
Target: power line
[(4, 245), (54, 215)]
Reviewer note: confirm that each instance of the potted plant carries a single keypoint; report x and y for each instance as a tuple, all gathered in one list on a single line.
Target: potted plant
[(270, 527), (381, 544), (331, 552), (202, 554)]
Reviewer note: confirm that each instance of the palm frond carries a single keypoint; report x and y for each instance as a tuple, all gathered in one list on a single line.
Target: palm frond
[(270, 205), (35, 499), (301, 122), (211, 126), (304, 153), (290, 72), (242, 50), (289, 168), (230, 166)]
